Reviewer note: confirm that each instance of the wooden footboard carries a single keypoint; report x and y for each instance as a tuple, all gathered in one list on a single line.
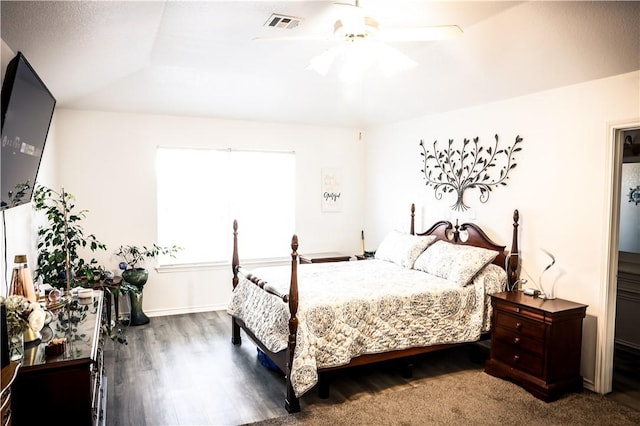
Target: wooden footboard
[(466, 234), (235, 264), (292, 404), (283, 359)]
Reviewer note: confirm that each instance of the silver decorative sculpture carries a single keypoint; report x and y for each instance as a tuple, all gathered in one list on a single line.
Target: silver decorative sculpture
[(549, 291)]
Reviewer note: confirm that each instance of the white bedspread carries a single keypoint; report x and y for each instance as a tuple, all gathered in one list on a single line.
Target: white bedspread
[(347, 309)]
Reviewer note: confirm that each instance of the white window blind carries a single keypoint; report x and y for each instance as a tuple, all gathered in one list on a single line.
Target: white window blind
[(201, 192)]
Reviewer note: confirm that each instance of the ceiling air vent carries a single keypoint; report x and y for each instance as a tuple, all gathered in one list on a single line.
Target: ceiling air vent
[(282, 21)]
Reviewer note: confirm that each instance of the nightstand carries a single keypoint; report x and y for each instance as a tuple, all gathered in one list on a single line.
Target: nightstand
[(537, 343), (323, 257), (366, 256)]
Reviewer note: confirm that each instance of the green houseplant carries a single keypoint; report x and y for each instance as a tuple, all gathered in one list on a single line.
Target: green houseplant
[(59, 262), (60, 240), (135, 275)]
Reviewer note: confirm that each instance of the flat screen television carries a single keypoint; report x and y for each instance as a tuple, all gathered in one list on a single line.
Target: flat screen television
[(27, 110)]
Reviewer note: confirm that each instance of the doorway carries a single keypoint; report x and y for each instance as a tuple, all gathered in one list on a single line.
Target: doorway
[(625, 380)]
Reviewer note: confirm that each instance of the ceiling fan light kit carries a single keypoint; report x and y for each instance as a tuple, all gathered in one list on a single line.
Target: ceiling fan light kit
[(355, 28), (322, 63), (353, 59)]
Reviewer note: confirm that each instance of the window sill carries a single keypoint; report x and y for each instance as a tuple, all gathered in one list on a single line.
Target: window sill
[(212, 266)]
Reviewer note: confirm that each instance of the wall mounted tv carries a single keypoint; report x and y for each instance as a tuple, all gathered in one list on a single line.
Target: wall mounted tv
[(27, 109)]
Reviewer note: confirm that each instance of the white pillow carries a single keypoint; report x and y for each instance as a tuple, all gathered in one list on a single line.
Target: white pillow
[(453, 262), (401, 248)]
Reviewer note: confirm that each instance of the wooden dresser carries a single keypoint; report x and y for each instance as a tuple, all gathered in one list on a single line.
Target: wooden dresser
[(537, 343), (9, 373), (69, 388)]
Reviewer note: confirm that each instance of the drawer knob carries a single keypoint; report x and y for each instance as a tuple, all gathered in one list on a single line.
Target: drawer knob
[(518, 325), (516, 340), (516, 358), (517, 309)]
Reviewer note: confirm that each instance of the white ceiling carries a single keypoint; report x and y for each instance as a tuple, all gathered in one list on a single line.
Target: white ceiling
[(200, 59)]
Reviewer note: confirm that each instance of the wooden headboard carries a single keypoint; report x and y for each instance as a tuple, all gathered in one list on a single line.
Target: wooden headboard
[(471, 235)]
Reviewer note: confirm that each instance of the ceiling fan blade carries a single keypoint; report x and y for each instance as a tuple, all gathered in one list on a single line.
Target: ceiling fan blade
[(296, 38), (443, 32)]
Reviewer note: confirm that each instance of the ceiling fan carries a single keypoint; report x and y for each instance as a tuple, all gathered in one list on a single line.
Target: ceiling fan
[(358, 29), (353, 23)]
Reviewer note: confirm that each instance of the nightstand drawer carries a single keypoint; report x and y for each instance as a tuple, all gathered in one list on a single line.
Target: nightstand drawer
[(518, 341), (521, 325), (517, 358), (519, 310)]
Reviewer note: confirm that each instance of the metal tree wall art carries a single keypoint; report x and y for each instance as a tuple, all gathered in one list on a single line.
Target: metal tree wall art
[(452, 169)]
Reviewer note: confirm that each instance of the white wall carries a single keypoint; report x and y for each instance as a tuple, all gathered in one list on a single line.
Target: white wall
[(107, 160), (558, 185)]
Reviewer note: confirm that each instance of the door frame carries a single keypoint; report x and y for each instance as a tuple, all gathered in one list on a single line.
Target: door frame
[(603, 381)]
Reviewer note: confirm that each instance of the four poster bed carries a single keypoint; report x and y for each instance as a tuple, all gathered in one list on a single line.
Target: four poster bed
[(421, 292)]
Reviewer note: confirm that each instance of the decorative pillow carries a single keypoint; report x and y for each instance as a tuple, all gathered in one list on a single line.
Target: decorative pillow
[(457, 263), (402, 249)]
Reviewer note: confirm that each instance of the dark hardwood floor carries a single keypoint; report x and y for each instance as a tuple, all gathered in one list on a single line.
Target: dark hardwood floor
[(626, 378), (183, 370)]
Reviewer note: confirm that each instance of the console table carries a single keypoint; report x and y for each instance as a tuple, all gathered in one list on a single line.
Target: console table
[(69, 388)]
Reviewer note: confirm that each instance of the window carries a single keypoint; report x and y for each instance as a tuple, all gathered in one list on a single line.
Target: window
[(201, 192)]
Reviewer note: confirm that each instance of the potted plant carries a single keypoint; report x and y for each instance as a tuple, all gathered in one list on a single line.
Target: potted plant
[(133, 256), (135, 275), (60, 240), (59, 263)]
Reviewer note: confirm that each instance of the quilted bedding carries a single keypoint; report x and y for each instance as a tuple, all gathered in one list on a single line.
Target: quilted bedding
[(347, 309)]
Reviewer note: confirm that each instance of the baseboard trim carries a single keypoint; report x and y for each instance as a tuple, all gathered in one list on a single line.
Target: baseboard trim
[(588, 384), (189, 310)]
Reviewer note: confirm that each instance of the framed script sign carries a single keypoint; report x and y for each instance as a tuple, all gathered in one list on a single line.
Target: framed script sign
[(331, 191)]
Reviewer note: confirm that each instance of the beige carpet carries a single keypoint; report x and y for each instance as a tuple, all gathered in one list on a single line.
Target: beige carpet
[(468, 397)]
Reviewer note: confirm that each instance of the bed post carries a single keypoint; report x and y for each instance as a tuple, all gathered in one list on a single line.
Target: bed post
[(513, 268), (413, 215), (235, 262), (292, 404)]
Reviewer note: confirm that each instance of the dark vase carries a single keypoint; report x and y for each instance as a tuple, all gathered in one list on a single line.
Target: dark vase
[(138, 278)]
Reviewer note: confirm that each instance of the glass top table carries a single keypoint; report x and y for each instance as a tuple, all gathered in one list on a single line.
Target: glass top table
[(79, 322)]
